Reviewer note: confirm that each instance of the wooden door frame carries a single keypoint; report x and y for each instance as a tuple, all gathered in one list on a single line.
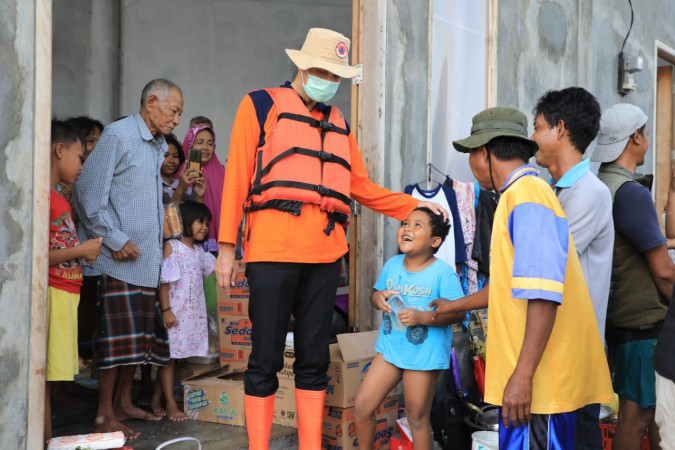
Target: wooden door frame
[(663, 135)]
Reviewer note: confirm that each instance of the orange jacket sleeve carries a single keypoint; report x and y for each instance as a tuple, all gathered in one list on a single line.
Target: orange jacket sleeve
[(393, 204), (238, 170)]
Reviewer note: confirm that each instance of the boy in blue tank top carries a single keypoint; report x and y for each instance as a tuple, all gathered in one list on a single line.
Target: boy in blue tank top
[(412, 345)]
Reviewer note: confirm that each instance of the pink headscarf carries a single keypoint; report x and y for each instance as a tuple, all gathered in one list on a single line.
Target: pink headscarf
[(214, 176)]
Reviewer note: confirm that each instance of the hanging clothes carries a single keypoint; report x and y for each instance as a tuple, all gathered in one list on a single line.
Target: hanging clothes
[(485, 214), (453, 250), (465, 193)]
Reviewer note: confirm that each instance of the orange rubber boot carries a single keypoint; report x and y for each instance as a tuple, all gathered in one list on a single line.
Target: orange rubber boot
[(259, 412), (310, 413)]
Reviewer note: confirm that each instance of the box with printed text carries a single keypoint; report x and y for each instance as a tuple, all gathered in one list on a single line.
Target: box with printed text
[(234, 334), (285, 411), (215, 397), (350, 359), (339, 426), (233, 300)]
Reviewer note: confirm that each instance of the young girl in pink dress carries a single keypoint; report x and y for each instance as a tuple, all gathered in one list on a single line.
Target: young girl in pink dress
[(181, 296)]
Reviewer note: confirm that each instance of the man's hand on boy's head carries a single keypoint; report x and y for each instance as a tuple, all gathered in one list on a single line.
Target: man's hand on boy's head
[(435, 208)]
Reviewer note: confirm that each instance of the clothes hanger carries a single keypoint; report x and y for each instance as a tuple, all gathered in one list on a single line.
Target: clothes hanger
[(430, 179)]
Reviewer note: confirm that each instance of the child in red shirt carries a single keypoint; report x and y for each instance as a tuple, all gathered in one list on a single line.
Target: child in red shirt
[(65, 271)]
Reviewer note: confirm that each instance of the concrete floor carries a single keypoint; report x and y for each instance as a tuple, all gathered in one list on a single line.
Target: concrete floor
[(211, 435)]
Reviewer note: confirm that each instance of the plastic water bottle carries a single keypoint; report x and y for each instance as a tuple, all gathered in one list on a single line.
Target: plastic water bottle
[(396, 303)]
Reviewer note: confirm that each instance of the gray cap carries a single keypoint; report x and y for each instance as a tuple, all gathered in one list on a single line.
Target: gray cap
[(617, 125)]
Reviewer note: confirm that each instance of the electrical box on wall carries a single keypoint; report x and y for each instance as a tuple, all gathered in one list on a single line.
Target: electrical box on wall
[(628, 66)]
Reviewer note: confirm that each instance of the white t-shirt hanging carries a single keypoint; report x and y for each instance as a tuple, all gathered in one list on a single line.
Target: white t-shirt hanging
[(447, 250)]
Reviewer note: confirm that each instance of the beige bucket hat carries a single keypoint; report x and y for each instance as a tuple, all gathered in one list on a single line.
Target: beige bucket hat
[(325, 49)]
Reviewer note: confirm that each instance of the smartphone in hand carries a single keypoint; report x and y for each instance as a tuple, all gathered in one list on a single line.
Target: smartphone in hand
[(195, 159)]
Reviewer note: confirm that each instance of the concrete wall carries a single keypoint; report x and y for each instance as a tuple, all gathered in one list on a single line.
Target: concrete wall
[(105, 51), (407, 102), (25, 85), (217, 51), (86, 59), (554, 44)]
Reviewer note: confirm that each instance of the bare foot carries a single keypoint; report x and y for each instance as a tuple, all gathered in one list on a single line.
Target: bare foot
[(104, 424), (156, 404), (176, 415), (135, 413), (157, 409)]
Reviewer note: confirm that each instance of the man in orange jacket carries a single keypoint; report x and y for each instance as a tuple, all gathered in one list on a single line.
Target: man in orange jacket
[(293, 168)]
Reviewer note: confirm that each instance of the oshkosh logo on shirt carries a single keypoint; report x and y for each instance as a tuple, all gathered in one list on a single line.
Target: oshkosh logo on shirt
[(411, 290)]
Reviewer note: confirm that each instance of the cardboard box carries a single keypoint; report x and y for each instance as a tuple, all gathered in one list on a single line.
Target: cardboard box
[(233, 301), (350, 359), (234, 335), (185, 369), (285, 411), (339, 427), (215, 397)]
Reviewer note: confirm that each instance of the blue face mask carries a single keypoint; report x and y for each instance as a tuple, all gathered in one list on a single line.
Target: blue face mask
[(318, 89)]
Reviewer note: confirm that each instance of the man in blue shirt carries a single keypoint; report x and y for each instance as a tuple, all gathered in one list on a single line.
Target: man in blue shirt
[(565, 123), (642, 274), (119, 198)]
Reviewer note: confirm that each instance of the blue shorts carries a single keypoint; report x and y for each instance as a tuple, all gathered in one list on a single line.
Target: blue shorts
[(544, 432), (633, 364)]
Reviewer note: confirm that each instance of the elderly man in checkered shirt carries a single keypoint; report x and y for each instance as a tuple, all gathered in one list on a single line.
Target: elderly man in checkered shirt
[(119, 198)]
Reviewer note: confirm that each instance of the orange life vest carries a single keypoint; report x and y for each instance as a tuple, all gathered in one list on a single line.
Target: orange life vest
[(304, 160)]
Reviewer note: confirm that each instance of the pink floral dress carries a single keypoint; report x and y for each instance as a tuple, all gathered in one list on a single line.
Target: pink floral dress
[(184, 270)]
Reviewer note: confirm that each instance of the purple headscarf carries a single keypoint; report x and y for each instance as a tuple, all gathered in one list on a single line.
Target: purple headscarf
[(214, 175)]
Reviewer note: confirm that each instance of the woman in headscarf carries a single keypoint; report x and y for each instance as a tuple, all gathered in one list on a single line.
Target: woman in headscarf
[(203, 138)]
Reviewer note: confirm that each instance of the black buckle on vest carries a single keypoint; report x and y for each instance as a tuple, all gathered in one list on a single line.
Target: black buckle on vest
[(326, 125), (325, 156), (323, 190)]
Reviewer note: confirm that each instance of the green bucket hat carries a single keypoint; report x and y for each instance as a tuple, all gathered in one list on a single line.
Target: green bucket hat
[(496, 122)]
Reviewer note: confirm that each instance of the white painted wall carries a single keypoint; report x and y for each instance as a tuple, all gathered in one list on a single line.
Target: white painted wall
[(458, 80)]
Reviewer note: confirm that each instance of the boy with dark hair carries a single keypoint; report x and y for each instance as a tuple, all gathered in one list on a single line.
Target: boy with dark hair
[(65, 271), (565, 123), (439, 226)]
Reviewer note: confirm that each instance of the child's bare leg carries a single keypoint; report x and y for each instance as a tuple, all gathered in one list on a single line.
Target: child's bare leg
[(156, 401), (166, 377), (380, 380), (419, 387), (48, 413)]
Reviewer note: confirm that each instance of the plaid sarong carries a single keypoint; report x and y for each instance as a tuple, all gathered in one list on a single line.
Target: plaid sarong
[(130, 328)]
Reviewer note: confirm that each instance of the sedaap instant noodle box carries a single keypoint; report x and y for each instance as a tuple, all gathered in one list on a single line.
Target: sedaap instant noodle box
[(233, 300), (234, 336)]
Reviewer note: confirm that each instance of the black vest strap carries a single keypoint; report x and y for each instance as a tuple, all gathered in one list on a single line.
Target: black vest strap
[(323, 190), (322, 155), (322, 124)]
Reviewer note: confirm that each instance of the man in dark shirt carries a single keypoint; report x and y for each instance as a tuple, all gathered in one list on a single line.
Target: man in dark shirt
[(642, 272), (664, 363)]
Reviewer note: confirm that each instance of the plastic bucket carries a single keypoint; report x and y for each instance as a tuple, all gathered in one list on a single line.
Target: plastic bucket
[(485, 440)]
